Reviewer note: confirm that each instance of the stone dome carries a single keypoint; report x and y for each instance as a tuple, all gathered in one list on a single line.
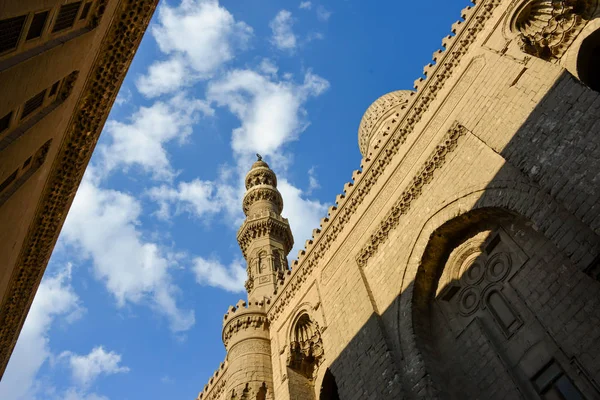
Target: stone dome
[(381, 118)]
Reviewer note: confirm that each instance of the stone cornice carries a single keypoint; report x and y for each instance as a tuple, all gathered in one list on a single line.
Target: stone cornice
[(446, 62), (115, 54), (268, 223)]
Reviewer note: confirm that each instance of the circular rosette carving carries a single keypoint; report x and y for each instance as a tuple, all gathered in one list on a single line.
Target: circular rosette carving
[(498, 267), (469, 300)]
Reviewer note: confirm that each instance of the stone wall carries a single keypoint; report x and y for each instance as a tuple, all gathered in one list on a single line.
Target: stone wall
[(504, 137)]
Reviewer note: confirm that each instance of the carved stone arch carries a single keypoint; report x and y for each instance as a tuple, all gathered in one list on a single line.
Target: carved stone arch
[(305, 353), (547, 28), (506, 199)]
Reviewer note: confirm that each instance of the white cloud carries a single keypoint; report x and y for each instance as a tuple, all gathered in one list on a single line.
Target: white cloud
[(141, 140), (198, 198), (77, 394), (55, 298), (313, 183), (164, 77), (123, 97), (323, 14), (305, 5), (199, 36), (211, 272), (267, 67), (283, 36), (271, 111), (87, 368), (103, 225), (303, 214)]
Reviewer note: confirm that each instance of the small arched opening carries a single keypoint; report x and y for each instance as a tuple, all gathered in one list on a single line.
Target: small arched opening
[(329, 389), (588, 61)]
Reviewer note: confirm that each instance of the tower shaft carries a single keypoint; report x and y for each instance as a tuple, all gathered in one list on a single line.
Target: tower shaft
[(265, 236)]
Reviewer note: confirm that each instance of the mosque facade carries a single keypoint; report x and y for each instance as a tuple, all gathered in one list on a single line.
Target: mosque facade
[(461, 260)]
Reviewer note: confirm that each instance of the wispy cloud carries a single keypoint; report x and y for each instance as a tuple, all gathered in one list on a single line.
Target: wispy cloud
[(283, 36), (55, 299), (199, 37), (271, 111), (103, 226), (199, 198), (87, 368), (323, 14), (313, 183), (140, 140), (212, 273), (305, 5)]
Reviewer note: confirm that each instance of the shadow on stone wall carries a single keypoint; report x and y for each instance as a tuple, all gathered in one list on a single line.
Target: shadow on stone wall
[(505, 298)]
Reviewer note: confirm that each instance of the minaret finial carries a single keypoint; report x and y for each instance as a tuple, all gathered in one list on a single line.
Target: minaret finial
[(259, 157)]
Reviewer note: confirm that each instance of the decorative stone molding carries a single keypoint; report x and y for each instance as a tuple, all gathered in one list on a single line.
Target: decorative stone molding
[(413, 192), (106, 75), (262, 193), (355, 192), (241, 318), (260, 175), (384, 107), (546, 28), (265, 224)]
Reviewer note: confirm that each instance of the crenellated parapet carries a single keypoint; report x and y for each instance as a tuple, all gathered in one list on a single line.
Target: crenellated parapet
[(244, 321), (216, 384)]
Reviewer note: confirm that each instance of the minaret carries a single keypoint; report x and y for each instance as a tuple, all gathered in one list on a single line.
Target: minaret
[(265, 236)]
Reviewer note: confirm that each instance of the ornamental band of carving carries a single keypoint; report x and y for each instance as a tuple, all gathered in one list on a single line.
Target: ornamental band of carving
[(413, 192), (108, 71), (438, 74)]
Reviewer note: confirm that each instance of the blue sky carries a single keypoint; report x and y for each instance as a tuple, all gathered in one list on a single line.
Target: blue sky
[(147, 263)]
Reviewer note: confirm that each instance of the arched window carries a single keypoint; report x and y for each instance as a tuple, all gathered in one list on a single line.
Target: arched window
[(588, 61), (262, 259)]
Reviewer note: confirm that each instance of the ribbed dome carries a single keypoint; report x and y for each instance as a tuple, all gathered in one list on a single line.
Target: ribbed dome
[(388, 107)]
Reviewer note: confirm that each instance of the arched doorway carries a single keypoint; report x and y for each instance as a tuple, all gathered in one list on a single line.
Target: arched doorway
[(329, 389), (588, 61), (489, 313)]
